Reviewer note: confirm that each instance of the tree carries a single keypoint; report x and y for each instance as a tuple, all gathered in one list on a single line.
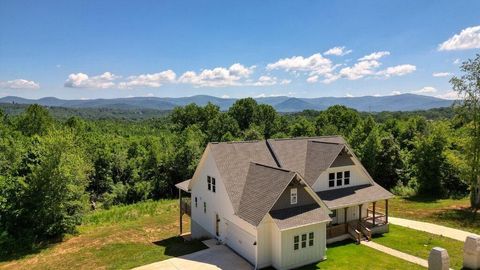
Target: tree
[(302, 128), (222, 124), (343, 118), (243, 111), (468, 88), (35, 121), (388, 162), (265, 116)]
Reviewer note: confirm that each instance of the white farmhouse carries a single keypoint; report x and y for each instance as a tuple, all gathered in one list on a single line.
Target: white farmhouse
[(279, 202)]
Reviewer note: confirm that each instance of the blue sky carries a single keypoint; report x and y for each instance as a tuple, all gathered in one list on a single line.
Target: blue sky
[(106, 49)]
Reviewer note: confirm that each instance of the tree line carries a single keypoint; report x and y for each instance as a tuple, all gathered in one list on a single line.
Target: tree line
[(53, 171)]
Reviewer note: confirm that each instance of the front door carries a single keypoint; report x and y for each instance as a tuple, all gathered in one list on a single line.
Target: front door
[(217, 225)]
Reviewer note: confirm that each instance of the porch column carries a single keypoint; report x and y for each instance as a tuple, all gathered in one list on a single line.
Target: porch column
[(360, 213), (374, 203), (386, 211), (181, 211)]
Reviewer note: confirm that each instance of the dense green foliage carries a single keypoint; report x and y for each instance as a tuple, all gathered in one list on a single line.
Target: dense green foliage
[(53, 170)]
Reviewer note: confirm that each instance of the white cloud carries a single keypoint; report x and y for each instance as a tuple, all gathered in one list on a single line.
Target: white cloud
[(374, 56), (285, 81), (265, 81), (442, 74), (312, 79), (349, 95), (396, 93), (338, 51), (426, 90), (399, 70), (469, 38), (360, 69), (19, 84), (149, 80), (456, 61), (315, 64), (217, 77), (82, 80), (449, 95), (225, 96)]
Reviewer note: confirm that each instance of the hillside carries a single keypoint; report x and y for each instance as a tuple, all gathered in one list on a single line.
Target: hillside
[(404, 102)]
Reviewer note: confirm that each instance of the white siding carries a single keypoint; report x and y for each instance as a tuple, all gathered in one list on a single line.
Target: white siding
[(264, 242), (357, 177), (291, 258), (241, 241), (276, 247)]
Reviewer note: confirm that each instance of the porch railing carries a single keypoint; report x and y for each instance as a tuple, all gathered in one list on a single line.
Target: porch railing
[(336, 230)]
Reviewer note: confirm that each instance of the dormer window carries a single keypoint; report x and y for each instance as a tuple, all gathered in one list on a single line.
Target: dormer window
[(293, 196), (339, 178), (331, 180), (346, 177)]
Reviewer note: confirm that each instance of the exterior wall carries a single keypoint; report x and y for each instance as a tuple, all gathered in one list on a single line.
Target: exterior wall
[(265, 242), (357, 177), (352, 214), (235, 232), (276, 247), (291, 258), (303, 197)]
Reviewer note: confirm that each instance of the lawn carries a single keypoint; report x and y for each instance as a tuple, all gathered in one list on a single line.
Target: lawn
[(448, 212), (347, 255), (120, 238), (420, 243)]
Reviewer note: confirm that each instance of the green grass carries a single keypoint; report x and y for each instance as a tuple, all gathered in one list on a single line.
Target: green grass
[(119, 238), (447, 212), (347, 255), (419, 244)]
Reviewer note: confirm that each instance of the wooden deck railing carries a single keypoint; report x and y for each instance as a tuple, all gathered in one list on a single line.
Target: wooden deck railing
[(354, 233), (365, 230), (336, 230)]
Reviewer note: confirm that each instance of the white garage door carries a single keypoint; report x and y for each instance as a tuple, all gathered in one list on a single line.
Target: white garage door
[(241, 242)]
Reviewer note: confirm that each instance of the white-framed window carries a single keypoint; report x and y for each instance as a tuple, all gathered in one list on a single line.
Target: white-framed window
[(293, 196), (301, 241), (214, 189), (209, 183), (296, 240), (331, 180), (339, 179), (204, 207), (310, 239), (304, 240), (346, 178)]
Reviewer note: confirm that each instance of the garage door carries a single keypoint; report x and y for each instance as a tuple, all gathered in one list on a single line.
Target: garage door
[(241, 242)]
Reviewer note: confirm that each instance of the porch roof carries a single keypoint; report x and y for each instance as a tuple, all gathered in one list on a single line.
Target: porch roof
[(299, 216), (184, 185), (356, 195)]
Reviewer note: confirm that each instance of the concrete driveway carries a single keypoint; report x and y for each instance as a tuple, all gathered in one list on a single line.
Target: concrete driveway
[(215, 257)]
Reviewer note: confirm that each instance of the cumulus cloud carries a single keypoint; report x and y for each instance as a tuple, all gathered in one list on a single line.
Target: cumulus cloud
[(360, 69), (217, 77), (396, 93), (468, 38), (265, 81), (338, 51), (285, 81), (19, 84), (82, 80), (426, 90), (349, 95), (374, 56), (399, 70), (442, 74), (449, 95), (315, 64), (312, 79), (149, 80)]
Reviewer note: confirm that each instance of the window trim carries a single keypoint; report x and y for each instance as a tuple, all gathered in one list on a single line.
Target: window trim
[(331, 181), (304, 240), (339, 179), (296, 242), (293, 195), (346, 179), (209, 182), (311, 237)]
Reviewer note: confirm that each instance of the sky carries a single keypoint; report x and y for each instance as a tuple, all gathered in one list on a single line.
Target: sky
[(107, 49)]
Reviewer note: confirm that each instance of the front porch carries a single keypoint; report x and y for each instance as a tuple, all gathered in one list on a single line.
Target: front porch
[(372, 219), (184, 202)]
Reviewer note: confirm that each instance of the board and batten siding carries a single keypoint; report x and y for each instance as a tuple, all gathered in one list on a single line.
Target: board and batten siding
[(303, 197), (357, 177), (290, 258)]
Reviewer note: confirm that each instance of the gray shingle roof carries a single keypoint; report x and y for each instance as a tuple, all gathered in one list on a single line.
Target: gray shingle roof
[(263, 187), (299, 216), (184, 185), (339, 198)]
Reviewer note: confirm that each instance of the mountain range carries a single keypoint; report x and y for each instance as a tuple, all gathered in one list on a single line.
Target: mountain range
[(403, 102)]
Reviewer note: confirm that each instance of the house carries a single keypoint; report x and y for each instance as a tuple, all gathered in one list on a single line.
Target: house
[(278, 202)]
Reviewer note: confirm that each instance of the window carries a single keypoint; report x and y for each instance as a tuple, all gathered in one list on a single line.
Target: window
[(304, 240), (310, 239), (346, 178), (293, 196), (213, 185), (209, 182), (339, 178), (296, 239), (331, 180), (196, 202), (204, 207)]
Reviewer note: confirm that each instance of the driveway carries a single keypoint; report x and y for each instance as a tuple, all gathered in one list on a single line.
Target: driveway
[(215, 257)]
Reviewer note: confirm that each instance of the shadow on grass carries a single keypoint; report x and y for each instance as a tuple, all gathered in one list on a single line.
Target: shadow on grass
[(464, 216), (20, 248), (176, 246), (421, 199)]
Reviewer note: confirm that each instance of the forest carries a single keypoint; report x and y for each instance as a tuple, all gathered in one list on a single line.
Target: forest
[(54, 169)]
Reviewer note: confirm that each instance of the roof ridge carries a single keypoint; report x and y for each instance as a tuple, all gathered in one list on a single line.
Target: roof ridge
[(271, 167), (306, 138), (327, 142), (272, 152)]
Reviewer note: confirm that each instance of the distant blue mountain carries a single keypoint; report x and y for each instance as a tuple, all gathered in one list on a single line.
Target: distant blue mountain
[(404, 102)]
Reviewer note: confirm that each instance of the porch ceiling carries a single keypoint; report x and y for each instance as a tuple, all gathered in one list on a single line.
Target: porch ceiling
[(184, 185), (344, 197)]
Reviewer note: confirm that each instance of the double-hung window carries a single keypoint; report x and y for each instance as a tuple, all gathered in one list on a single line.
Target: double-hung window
[(196, 202), (293, 196), (304, 240), (339, 178), (214, 189), (209, 182), (204, 207), (346, 178), (331, 179), (310, 239), (296, 240)]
